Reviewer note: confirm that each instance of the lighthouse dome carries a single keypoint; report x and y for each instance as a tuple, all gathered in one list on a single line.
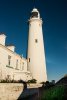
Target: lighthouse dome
[(35, 10), (35, 13)]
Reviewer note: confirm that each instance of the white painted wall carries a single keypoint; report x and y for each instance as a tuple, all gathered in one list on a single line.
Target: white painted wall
[(37, 64), (5, 69)]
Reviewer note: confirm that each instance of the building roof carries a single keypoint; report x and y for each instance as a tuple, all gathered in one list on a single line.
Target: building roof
[(12, 51)]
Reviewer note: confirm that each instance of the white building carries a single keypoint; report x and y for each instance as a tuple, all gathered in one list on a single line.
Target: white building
[(15, 67), (12, 65)]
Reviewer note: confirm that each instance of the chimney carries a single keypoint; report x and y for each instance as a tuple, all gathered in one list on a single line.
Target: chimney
[(11, 47), (2, 39)]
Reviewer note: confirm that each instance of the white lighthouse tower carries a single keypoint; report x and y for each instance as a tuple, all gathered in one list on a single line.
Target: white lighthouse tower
[(36, 55)]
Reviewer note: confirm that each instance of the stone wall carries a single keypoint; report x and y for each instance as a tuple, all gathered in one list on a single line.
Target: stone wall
[(10, 91)]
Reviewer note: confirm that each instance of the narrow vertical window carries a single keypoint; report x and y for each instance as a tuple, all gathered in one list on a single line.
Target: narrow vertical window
[(39, 24), (22, 65), (29, 59), (17, 64), (9, 60)]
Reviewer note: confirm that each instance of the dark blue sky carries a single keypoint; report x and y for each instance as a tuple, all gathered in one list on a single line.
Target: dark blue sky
[(14, 15)]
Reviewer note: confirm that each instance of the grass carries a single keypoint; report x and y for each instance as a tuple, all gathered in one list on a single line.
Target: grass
[(54, 93)]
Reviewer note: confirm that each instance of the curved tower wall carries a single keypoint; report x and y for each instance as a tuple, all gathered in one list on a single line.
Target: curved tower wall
[(36, 55)]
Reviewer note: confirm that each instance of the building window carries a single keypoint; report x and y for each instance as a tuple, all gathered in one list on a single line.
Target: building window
[(17, 64), (30, 24), (39, 24), (8, 77), (36, 40), (9, 60), (34, 14), (22, 65)]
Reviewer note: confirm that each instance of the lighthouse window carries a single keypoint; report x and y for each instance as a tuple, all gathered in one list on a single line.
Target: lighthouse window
[(29, 59), (34, 14), (36, 40)]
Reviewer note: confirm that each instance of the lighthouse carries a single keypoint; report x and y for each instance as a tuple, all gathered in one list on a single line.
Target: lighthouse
[(36, 52)]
